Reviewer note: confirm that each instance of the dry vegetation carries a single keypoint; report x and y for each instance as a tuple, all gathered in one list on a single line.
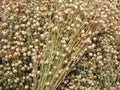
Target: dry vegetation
[(59, 45)]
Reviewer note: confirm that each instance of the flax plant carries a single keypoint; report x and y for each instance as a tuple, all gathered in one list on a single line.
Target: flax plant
[(98, 68), (41, 41)]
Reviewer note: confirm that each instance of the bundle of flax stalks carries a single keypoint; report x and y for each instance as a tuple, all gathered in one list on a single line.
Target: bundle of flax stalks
[(41, 41)]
